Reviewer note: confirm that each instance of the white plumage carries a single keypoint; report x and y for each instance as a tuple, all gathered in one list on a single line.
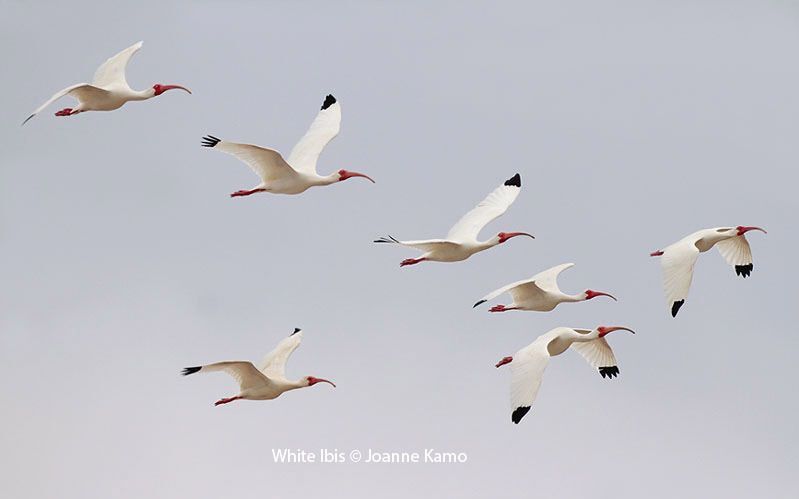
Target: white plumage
[(539, 293), (678, 259), (298, 173), (268, 380), (108, 90), (461, 241), (528, 364)]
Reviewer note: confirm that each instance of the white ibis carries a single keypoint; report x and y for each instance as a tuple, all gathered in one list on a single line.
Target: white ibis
[(108, 90), (298, 173), (528, 364), (461, 241), (679, 259), (267, 381), (539, 293)]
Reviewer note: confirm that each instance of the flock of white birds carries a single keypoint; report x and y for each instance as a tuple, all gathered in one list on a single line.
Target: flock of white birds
[(109, 90)]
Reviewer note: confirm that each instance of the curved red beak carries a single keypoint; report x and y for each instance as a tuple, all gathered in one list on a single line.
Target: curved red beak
[(603, 330), (159, 89), (743, 229), (344, 175), (593, 294), (504, 236), (312, 381)]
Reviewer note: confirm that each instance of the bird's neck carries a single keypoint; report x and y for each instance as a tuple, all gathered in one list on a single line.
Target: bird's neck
[(141, 94), (573, 298), (324, 180)]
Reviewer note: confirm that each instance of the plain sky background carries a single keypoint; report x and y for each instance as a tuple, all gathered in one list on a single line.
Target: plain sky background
[(632, 123)]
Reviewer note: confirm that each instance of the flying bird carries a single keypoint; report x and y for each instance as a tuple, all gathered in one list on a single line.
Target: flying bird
[(679, 259), (108, 90), (539, 293), (298, 173), (461, 241), (268, 380), (528, 364)]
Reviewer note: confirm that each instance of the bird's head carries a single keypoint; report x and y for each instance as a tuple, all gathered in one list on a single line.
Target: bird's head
[(504, 236), (345, 174), (590, 293), (603, 330), (158, 88), (312, 381)]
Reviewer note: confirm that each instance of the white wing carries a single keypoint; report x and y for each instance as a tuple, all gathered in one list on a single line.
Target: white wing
[(324, 128), (599, 354), (548, 279), (81, 91), (527, 372), (111, 74), (528, 289), (274, 364), (426, 245), (494, 205), (244, 372), (736, 252), (266, 163), (519, 290), (678, 262)]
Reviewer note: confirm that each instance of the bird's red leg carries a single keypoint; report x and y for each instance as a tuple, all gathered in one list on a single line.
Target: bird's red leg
[(411, 261), (245, 193), (226, 400), (67, 111), (498, 308)]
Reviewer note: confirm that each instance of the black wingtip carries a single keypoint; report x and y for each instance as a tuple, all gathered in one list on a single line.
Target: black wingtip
[(329, 101), (675, 307), (388, 239), (609, 371), (296, 330), (190, 370), (515, 181), (479, 303), (744, 270), (27, 119), (210, 141), (519, 413)]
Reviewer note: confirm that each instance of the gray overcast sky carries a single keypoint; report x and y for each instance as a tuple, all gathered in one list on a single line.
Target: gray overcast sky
[(632, 124)]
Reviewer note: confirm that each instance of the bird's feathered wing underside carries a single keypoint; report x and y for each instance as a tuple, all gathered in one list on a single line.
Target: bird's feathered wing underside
[(677, 264), (520, 291), (599, 355), (274, 364), (111, 74), (548, 279), (494, 205), (426, 245), (325, 127), (266, 163), (81, 91), (243, 372), (527, 372), (736, 252)]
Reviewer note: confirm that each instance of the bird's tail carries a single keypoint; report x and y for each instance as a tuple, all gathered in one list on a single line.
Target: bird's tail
[(190, 370), (388, 239)]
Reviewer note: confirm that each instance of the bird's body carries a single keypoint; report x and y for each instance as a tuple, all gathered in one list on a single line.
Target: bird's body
[(539, 293), (461, 241), (265, 382), (109, 89), (678, 259), (298, 173), (528, 364)]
